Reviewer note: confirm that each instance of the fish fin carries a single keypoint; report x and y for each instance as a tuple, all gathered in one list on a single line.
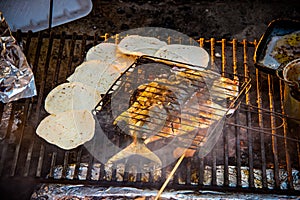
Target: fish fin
[(135, 149)]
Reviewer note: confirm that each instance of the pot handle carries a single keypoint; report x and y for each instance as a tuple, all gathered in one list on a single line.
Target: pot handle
[(279, 74)]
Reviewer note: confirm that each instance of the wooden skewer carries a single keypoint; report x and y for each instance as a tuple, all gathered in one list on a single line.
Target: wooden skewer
[(170, 176)]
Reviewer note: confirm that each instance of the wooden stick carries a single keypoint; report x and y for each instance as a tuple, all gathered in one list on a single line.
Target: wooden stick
[(169, 177)]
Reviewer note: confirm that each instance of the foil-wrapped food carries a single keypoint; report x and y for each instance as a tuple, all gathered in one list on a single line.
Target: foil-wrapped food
[(16, 77)]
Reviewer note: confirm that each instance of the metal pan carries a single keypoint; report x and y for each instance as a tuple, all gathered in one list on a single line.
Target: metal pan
[(268, 58)]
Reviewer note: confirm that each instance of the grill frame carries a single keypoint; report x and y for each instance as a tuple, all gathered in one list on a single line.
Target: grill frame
[(52, 51)]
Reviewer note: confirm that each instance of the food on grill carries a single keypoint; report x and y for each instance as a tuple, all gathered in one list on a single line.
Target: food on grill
[(68, 129), (71, 96), (192, 55), (287, 47), (146, 116), (97, 74), (139, 45), (107, 52)]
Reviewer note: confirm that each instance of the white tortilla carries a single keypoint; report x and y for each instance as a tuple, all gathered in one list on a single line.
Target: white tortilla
[(97, 74), (140, 45), (192, 55), (71, 96), (107, 52), (67, 130)]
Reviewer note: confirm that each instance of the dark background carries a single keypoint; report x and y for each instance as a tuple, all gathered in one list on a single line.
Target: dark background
[(245, 19)]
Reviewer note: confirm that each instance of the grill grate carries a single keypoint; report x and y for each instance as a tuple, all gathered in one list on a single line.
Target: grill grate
[(258, 151)]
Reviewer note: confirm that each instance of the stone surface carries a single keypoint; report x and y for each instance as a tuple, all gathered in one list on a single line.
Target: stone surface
[(246, 19)]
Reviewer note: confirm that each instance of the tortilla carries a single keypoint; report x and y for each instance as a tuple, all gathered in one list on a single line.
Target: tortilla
[(140, 45), (107, 52), (97, 74), (71, 96), (192, 55), (67, 130)]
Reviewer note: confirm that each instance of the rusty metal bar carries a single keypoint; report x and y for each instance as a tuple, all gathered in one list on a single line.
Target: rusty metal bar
[(212, 53), (223, 69), (248, 116), (225, 130), (286, 142), (260, 123), (236, 129), (201, 42), (274, 138)]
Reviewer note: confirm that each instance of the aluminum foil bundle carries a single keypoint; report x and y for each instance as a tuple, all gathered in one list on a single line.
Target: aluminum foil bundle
[(16, 77)]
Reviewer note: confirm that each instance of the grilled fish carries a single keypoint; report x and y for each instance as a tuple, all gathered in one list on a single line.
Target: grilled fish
[(149, 110)]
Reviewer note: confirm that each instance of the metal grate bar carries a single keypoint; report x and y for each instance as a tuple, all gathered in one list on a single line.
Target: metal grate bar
[(201, 172), (6, 146), (31, 145), (71, 54), (260, 124), (225, 134), (19, 142), (237, 131), (40, 161), (83, 44), (285, 134), (248, 117), (214, 162), (65, 164), (58, 64), (274, 138), (77, 162)]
